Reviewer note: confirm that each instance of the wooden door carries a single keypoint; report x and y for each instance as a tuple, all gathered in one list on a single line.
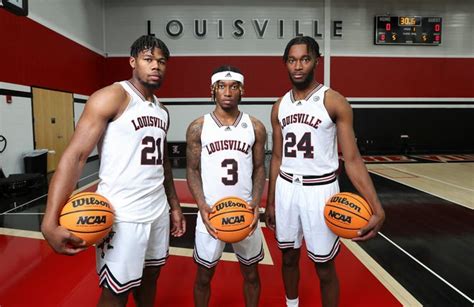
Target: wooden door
[(53, 117)]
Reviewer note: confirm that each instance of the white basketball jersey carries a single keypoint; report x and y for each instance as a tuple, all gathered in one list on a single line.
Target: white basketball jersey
[(131, 160), (309, 135), (226, 159)]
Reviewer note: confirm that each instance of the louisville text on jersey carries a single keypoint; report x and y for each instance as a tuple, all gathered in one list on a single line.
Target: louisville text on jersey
[(149, 121), (228, 145), (300, 118)]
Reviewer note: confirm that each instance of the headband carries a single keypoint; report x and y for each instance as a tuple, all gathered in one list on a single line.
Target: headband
[(227, 75)]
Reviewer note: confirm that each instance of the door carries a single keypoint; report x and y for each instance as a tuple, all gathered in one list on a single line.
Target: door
[(53, 117)]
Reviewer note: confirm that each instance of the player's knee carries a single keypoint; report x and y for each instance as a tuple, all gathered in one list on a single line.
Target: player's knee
[(251, 277), (151, 272), (203, 278), (109, 298), (326, 272), (290, 259)]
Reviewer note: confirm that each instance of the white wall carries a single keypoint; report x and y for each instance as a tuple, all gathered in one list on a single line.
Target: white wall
[(79, 20), (16, 126), (78, 109), (358, 27), (126, 20), (110, 26)]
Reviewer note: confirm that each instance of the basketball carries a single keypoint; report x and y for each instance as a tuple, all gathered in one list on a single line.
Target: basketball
[(231, 217), (345, 213), (87, 215)]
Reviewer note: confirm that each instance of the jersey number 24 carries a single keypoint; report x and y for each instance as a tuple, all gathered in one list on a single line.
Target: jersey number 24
[(292, 145)]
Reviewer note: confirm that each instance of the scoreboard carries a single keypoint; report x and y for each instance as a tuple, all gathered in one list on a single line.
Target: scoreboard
[(408, 30)]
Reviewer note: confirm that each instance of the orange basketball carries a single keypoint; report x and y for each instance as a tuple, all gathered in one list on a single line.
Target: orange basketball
[(345, 213), (87, 215), (231, 216)]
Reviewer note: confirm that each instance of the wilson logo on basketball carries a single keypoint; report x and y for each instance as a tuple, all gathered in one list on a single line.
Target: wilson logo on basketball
[(345, 202), (233, 220), (91, 220), (229, 204), (89, 201), (341, 217)]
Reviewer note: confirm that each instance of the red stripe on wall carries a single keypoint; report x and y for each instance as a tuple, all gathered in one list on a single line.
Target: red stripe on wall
[(191, 76), (402, 77), (351, 76), (32, 54)]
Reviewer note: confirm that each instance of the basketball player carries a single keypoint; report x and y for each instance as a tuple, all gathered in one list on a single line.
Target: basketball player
[(226, 170), (308, 122), (129, 125)]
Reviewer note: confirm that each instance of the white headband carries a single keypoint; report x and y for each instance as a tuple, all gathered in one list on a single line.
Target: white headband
[(227, 75)]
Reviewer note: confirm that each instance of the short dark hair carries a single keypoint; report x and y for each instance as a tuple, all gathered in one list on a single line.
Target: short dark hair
[(310, 43), (146, 42), (227, 68)]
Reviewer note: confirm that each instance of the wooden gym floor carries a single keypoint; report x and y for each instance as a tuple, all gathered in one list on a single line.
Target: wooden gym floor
[(423, 255)]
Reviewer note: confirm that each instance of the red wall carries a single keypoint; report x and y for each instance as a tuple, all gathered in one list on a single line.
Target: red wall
[(33, 55), (351, 76), (403, 77), (191, 76)]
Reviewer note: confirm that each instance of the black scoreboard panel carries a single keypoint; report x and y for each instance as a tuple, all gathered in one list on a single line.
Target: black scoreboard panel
[(407, 30)]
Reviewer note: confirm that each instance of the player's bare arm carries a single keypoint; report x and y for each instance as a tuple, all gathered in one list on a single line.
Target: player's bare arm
[(258, 175), (104, 105), (275, 164), (178, 222), (193, 171), (341, 112)]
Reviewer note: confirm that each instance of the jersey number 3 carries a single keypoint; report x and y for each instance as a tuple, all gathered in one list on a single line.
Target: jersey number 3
[(232, 171), (304, 145), (152, 153)]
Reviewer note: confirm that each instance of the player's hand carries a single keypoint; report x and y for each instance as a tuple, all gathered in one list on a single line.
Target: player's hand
[(205, 210), (270, 216), (178, 223), (63, 241), (256, 219), (372, 227)]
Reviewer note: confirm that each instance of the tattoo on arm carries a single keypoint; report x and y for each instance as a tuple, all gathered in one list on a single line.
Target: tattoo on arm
[(193, 158)]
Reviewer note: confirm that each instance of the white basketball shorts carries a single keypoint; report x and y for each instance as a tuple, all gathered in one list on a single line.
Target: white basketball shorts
[(208, 251), (129, 248), (299, 212)]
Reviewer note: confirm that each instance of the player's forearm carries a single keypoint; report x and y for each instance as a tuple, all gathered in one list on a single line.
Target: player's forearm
[(193, 177), (258, 178), (274, 170), (61, 187), (359, 176), (168, 184)]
